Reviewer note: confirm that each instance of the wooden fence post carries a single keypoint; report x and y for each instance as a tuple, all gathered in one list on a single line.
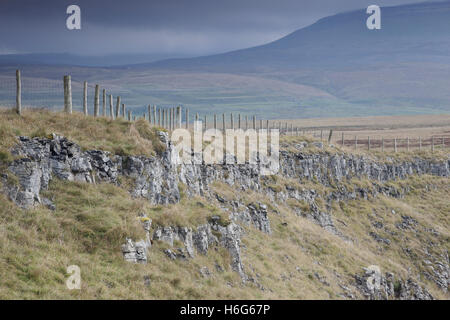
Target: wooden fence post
[(232, 121), (179, 117), (368, 143), (149, 108), (382, 144), (223, 123), (215, 121), (67, 94), (154, 115), (330, 135), (407, 144), (96, 100), (432, 143), (395, 145), (342, 140), (124, 108), (111, 110), (18, 93), (104, 103), (187, 118), (85, 109), (239, 121), (267, 126), (254, 122), (204, 124), (129, 115), (117, 107), (246, 122), (159, 117), (356, 143)]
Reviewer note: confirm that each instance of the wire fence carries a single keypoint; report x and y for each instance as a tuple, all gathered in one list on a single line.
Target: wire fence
[(50, 94)]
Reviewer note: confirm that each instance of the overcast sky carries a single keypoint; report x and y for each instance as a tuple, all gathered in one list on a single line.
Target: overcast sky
[(190, 27)]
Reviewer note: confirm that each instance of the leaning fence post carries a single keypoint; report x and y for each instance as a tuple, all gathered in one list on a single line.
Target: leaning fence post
[(85, 109), (96, 100), (67, 94), (111, 110), (329, 137)]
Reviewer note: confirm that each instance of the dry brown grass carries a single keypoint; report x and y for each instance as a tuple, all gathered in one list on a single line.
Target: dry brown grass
[(117, 136), (92, 221)]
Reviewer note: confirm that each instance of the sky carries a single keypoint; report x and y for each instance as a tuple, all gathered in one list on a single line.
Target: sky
[(160, 27)]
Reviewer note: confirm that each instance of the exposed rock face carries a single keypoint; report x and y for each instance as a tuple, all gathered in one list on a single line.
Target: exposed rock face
[(383, 287), (157, 178), (137, 251), (44, 158), (254, 213), (203, 239)]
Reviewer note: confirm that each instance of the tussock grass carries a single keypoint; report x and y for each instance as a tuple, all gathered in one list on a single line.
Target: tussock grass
[(92, 221), (117, 136)]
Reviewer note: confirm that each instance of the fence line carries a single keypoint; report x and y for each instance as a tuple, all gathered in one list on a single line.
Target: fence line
[(171, 118)]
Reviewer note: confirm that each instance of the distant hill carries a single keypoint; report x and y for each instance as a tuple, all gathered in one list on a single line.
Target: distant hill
[(332, 68), (80, 60), (409, 33)]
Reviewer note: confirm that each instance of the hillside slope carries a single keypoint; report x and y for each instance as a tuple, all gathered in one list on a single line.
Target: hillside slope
[(335, 67), (221, 232)]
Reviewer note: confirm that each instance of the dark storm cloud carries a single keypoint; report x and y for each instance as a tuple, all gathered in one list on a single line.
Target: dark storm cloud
[(162, 26)]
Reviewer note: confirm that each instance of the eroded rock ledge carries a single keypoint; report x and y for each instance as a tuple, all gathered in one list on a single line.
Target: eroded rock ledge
[(157, 179)]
